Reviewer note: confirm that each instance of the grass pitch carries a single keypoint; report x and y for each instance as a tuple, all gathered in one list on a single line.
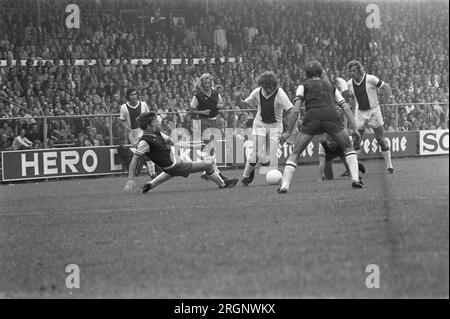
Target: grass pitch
[(188, 239)]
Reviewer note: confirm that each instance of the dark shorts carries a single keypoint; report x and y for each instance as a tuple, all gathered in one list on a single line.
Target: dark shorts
[(319, 121), (320, 127), (180, 169)]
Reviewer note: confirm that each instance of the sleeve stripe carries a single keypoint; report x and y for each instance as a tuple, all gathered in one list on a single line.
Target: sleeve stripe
[(380, 84), (298, 97), (138, 153)]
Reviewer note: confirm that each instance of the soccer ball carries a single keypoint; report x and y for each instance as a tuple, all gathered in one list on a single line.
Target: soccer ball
[(273, 177)]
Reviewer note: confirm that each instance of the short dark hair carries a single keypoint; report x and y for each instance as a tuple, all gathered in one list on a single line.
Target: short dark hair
[(145, 119), (130, 91), (313, 68)]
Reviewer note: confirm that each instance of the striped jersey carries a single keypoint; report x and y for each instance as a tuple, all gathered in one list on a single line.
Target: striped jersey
[(365, 91), (270, 108)]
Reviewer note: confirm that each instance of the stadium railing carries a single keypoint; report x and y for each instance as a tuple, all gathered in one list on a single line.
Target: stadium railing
[(113, 133)]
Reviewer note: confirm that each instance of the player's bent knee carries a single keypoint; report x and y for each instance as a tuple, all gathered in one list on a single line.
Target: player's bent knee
[(383, 144), (349, 149), (253, 159), (209, 168)]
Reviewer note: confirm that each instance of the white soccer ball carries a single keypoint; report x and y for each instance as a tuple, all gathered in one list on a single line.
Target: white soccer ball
[(273, 177)]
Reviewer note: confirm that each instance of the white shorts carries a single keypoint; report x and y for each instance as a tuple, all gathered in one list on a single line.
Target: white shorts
[(371, 118), (134, 136), (273, 130)]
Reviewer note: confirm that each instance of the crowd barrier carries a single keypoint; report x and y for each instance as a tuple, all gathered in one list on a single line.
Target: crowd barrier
[(86, 161), (114, 134)]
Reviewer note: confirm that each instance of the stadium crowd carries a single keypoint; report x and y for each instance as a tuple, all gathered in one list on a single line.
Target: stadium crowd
[(409, 51)]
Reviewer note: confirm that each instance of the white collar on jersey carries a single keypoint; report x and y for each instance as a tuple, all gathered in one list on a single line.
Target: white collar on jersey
[(133, 107), (362, 79), (263, 92)]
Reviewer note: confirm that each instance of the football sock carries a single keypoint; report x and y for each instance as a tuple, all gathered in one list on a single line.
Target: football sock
[(215, 177), (161, 178), (387, 158), (352, 162), (151, 167), (289, 170), (249, 167)]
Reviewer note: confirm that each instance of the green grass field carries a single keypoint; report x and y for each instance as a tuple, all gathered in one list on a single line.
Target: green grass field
[(188, 239)]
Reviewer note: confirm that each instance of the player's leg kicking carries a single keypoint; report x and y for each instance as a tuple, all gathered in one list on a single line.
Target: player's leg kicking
[(254, 161), (301, 141), (184, 169), (265, 145)]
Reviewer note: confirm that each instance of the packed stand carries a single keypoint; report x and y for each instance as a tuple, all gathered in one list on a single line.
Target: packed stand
[(409, 51)]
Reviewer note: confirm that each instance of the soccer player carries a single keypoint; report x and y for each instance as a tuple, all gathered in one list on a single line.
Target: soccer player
[(157, 146), (363, 87), (129, 113), (328, 151), (342, 86), (319, 97), (206, 104), (271, 102)]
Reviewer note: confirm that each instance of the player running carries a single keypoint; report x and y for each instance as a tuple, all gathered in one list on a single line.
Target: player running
[(319, 97), (271, 101)]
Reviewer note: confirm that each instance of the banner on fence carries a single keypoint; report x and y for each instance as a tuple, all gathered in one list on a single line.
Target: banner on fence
[(83, 161), (60, 162), (433, 142), (237, 149)]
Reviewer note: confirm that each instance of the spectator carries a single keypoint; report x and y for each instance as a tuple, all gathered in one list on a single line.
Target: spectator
[(5, 143), (34, 134), (37, 144), (21, 142), (408, 52), (7, 130)]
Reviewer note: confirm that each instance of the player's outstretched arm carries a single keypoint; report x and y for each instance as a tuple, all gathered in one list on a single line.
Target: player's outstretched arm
[(322, 162), (130, 183), (288, 114), (349, 115), (293, 118), (241, 103)]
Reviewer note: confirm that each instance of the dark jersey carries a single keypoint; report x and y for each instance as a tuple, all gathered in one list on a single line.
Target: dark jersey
[(319, 94), (206, 102), (319, 97), (158, 149)]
